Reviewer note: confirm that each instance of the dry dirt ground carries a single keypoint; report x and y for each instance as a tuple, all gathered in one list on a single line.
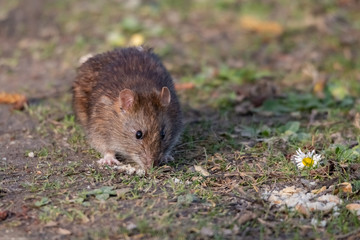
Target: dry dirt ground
[(257, 80)]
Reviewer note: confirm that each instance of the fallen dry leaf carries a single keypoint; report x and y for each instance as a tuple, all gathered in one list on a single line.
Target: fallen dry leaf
[(319, 79), (3, 215), (345, 187), (319, 87), (267, 223), (256, 94), (290, 190), (121, 192), (269, 28), (245, 217), (303, 210), (84, 219), (320, 190), (275, 199), (17, 100), (184, 86), (201, 170), (354, 207), (357, 120), (23, 213), (63, 231), (51, 224)]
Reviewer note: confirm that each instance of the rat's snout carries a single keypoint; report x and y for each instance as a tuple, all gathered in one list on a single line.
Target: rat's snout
[(150, 161)]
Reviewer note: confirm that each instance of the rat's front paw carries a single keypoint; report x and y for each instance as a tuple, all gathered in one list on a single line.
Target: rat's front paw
[(167, 158), (108, 159)]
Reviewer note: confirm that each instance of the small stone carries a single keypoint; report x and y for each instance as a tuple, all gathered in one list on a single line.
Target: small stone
[(176, 180), (131, 226), (227, 232), (31, 154), (318, 223), (329, 198), (187, 182), (206, 231)]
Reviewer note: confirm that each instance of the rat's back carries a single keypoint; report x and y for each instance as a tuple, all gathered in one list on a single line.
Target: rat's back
[(108, 73)]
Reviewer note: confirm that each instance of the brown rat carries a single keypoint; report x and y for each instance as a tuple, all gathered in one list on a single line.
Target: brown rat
[(126, 102)]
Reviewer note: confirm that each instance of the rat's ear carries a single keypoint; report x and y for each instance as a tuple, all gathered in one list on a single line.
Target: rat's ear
[(126, 99), (165, 97)]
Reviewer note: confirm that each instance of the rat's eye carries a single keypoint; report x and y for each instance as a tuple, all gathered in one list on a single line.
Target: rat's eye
[(162, 134), (139, 134)]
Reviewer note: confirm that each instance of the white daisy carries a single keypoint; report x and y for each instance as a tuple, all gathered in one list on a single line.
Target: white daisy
[(309, 159)]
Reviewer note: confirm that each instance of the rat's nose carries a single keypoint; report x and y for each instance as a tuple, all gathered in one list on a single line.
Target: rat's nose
[(148, 163)]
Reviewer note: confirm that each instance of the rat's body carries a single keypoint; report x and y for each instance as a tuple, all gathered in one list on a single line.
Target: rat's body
[(126, 102)]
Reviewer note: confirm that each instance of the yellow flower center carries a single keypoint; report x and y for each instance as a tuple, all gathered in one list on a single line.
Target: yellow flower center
[(308, 162)]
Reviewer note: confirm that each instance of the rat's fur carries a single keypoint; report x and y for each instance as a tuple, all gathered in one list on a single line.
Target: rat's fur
[(121, 92)]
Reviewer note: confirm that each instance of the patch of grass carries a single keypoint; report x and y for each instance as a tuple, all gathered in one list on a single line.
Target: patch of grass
[(42, 153), (56, 185), (343, 223), (49, 213)]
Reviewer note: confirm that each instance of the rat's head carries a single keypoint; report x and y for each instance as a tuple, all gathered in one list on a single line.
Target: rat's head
[(146, 130)]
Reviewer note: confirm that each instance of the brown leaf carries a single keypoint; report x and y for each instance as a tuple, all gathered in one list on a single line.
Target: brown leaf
[(63, 231), (266, 223), (17, 100), (253, 24), (24, 212), (4, 215), (303, 210), (51, 224), (357, 120), (353, 207), (320, 190), (319, 88), (249, 96), (345, 187), (121, 192), (201, 170), (245, 217)]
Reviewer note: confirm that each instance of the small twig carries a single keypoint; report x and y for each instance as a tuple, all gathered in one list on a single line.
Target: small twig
[(322, 193), (265, 223), (188, 143), (345, 236)]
